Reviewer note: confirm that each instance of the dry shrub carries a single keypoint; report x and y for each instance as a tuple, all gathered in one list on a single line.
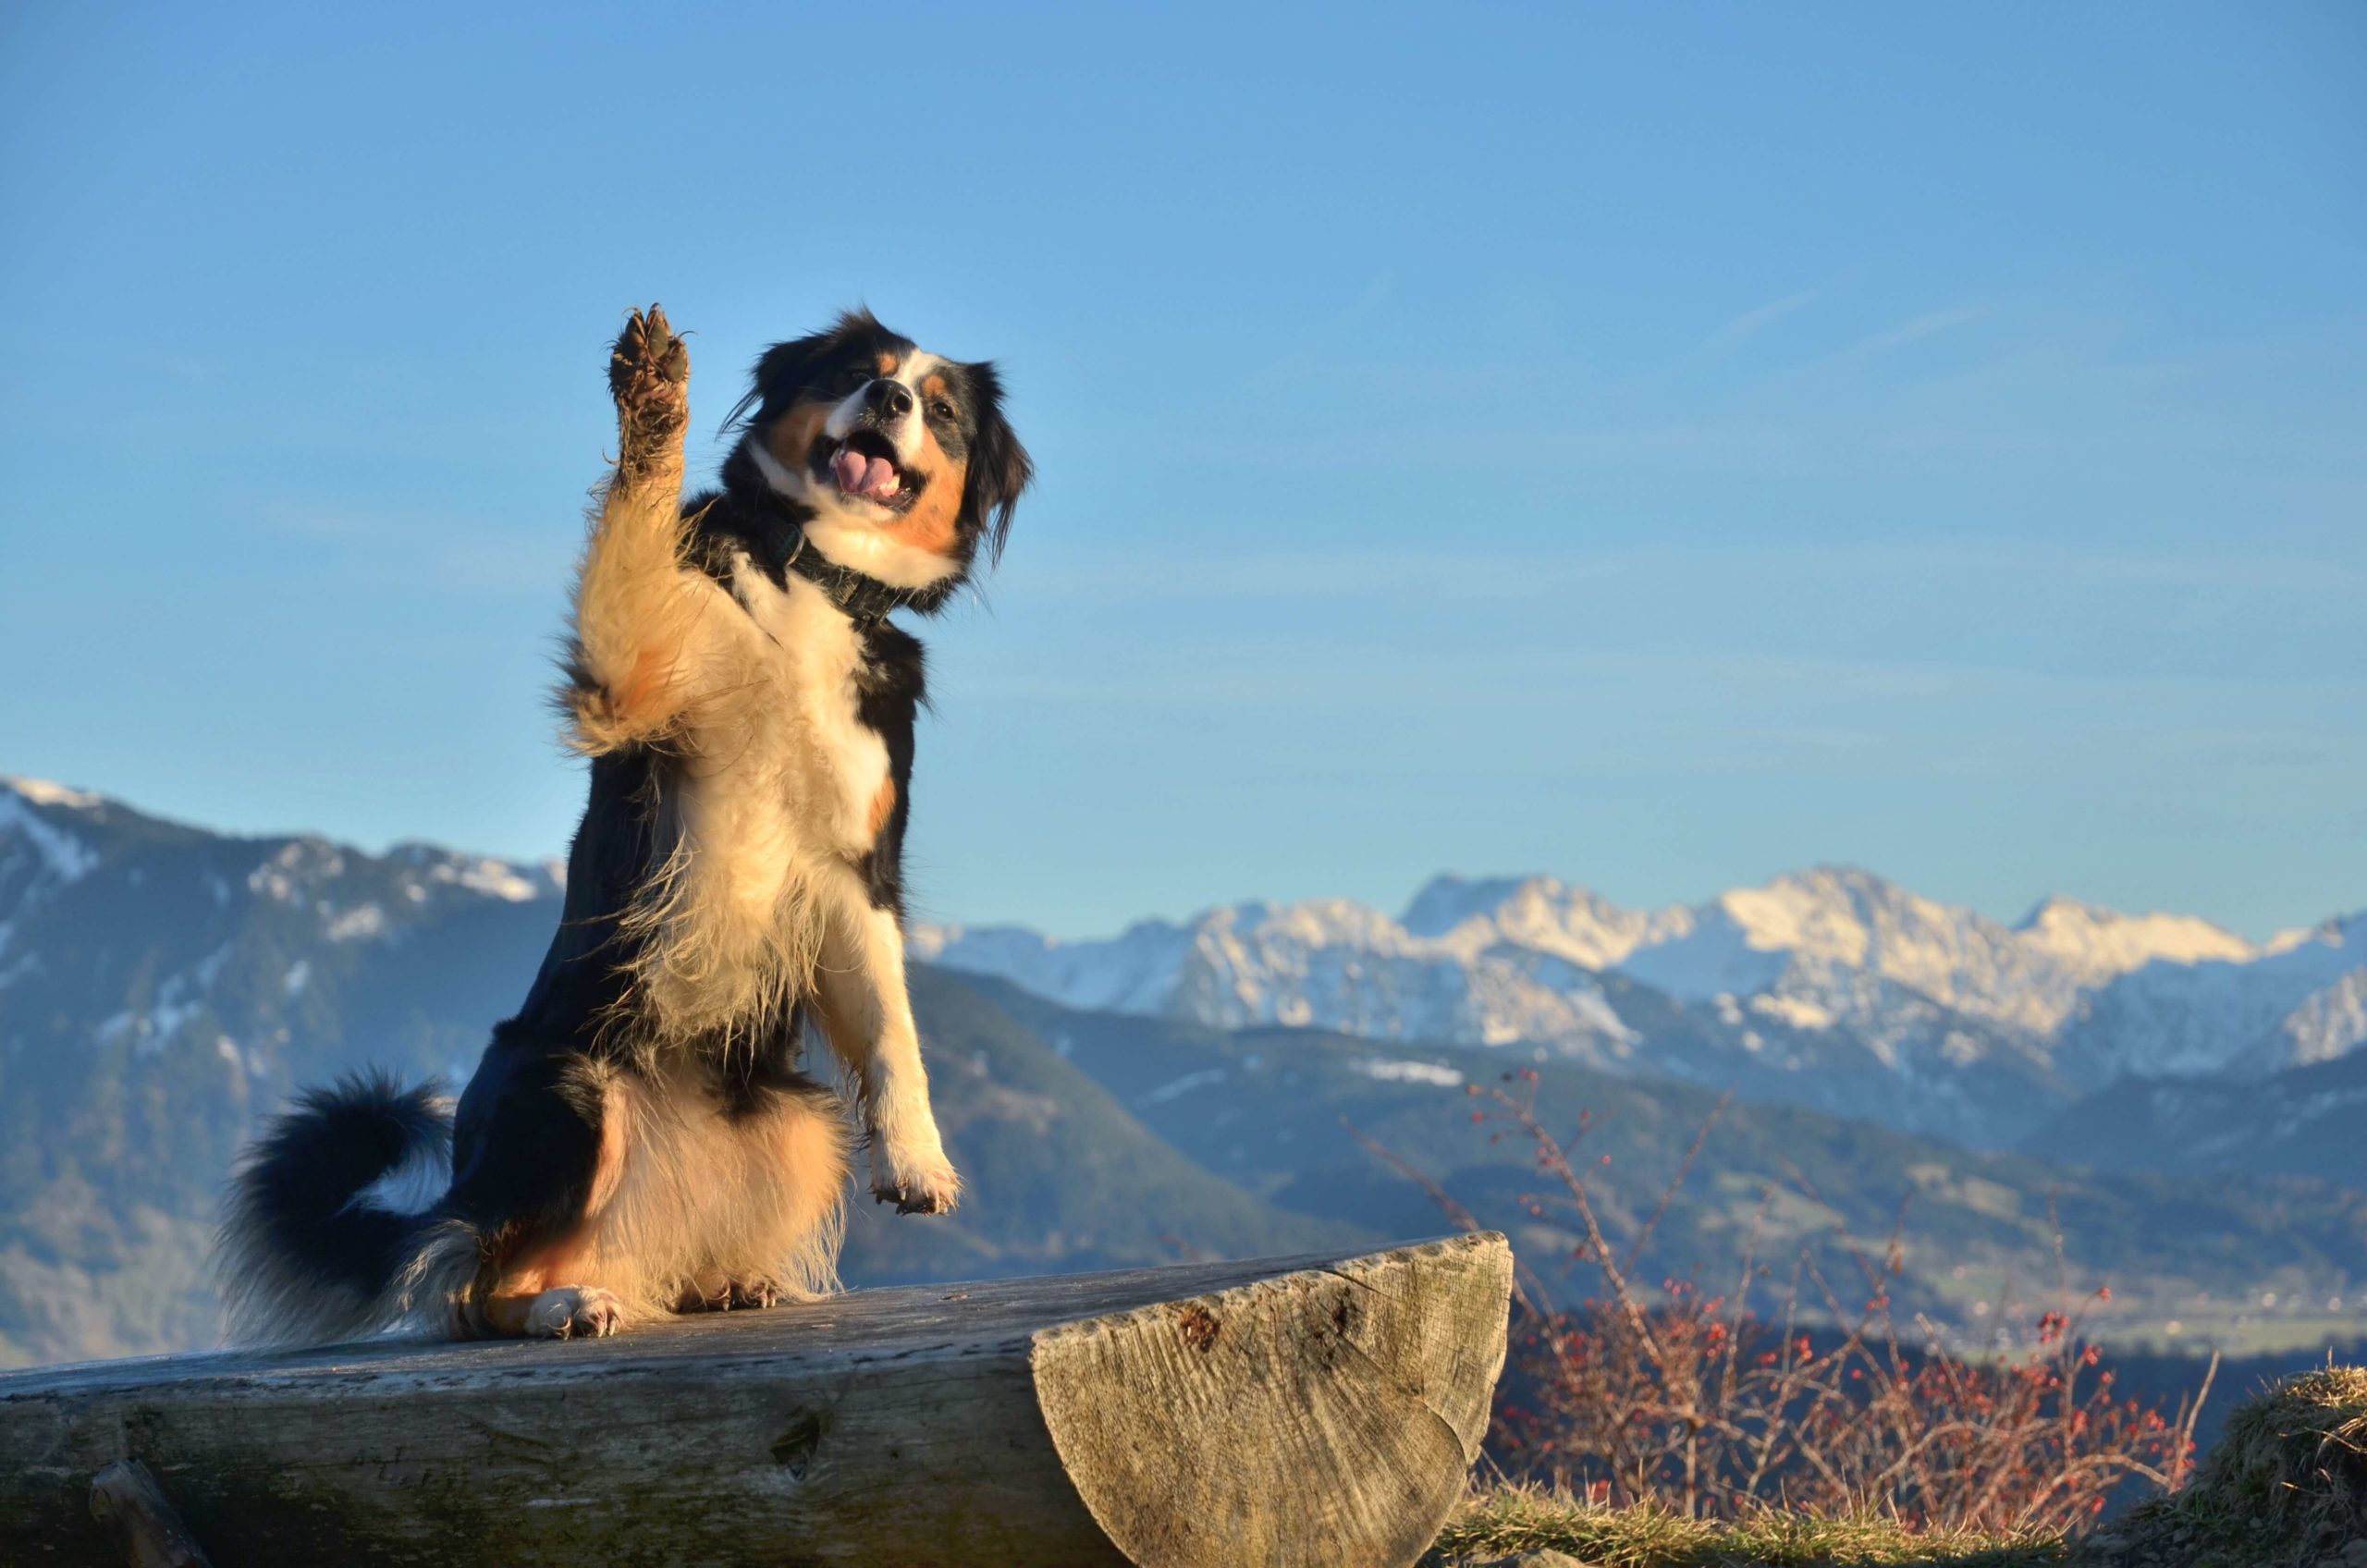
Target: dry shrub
[(1692, 1402)]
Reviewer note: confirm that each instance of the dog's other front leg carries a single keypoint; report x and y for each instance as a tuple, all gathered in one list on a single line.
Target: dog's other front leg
[(867, 1016)]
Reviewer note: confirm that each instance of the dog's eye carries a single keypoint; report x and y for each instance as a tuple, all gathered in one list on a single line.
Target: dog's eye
[(850, 379), (941, 409)]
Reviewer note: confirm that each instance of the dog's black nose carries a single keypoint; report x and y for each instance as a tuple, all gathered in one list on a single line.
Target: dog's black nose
[(894, 399)]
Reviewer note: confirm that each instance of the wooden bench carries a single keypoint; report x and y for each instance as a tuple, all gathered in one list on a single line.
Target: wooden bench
[(1318, 1411)]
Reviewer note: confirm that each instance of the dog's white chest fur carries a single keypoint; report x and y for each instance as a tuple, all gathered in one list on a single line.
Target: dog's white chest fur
[(772, 813), (832, 765)]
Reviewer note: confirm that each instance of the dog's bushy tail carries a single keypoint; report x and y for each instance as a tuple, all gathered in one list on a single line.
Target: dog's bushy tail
[(333, 1224)]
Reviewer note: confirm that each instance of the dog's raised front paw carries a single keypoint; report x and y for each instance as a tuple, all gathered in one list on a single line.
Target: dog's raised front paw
[(650, 364), (574, 1312), (649, 374)]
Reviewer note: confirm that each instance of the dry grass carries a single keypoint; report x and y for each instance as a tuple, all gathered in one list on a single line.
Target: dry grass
[(2287, 1484), (2286, 1487), (1516, 1519)]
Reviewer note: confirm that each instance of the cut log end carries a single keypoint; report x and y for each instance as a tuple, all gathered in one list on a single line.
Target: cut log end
[(1322, 1416)]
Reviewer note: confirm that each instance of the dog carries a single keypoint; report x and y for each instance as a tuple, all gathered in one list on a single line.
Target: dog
[(640, 1139)]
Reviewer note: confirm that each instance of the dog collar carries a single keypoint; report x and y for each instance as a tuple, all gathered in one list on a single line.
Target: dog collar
[(861, 597)]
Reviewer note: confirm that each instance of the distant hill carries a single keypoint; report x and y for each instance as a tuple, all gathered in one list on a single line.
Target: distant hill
[(1831, 988), (2263, 1261), (2303, 1121), (162, 988)]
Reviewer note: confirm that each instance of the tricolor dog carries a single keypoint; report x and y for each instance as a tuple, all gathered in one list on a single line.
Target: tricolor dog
[(639, 1139)]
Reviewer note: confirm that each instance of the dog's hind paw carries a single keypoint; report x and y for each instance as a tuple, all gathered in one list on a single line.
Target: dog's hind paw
[(649, 376), (574, 1312), (738, 1295)]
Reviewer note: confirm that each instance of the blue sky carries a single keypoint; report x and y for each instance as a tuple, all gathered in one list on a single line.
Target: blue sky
[(1659, 444)]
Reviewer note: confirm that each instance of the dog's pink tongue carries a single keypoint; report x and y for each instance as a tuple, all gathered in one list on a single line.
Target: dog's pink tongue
[(858, 475)]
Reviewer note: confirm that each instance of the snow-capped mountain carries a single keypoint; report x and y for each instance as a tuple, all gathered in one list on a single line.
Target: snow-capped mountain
[(2332, 1024), (1332, 962), (2281, 1006), (191, 930), (1830, 986), (1810, 937)]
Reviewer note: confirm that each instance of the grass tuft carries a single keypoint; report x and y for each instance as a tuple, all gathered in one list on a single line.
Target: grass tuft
[(1513, 1519), (2287, 1484)]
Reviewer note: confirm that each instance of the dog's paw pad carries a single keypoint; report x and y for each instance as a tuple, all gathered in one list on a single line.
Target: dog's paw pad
[(574, 1312), (648, 358), (649, 373)]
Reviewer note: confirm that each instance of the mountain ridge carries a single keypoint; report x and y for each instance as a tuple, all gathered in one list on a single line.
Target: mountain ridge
[(1832, 970), (1831, 986)]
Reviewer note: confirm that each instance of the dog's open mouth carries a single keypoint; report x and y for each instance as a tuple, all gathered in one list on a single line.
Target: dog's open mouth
[(863, 467)]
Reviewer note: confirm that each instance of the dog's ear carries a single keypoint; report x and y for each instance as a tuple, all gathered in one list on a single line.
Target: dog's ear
[(1000, 467), (786, 367), (779, 372)]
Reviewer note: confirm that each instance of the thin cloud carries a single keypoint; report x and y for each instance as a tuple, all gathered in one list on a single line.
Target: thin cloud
[(1750, 324), (1929, 325)]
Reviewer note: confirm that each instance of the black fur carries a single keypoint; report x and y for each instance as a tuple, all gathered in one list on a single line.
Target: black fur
[(526, 1141), (892, 700), (292, 1226)]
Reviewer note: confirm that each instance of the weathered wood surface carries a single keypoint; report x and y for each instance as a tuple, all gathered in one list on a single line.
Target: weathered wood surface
[(138, 1519), (1317, 1411)]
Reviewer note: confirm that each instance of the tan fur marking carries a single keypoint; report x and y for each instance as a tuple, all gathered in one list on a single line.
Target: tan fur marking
[(502, 1305), (932, 385), (504, 1299), (615, 1137), (642, 703), (792, 438), (888, 365), (931, 524), (504, 1317), (883, 806)]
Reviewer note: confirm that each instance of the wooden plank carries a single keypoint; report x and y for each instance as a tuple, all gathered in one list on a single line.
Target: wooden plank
[(1316, 1409)]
